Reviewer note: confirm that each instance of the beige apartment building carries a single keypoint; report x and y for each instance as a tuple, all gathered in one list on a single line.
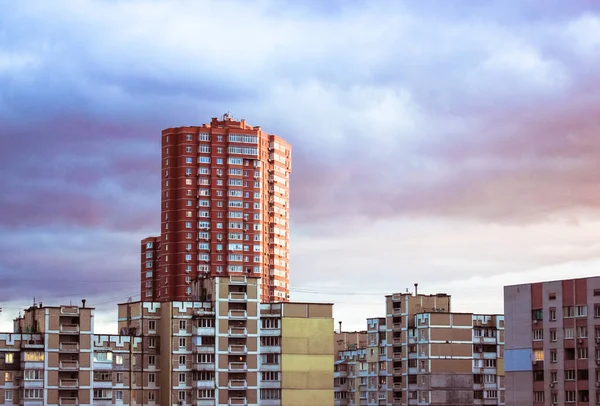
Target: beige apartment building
[(421, 353), (227, 349)]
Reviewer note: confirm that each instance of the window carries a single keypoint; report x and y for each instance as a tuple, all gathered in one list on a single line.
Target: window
[(188, 137), (568, 311), (9, 358), (538, 397), (8, 395), (204, 159), (188, 224), (152, 342), (553, 376), (552, 314), (33, 375), (152, 358), (570, 396), (553, 335), (103, 356), (151, 378), (151, 325), (181, 395), (537, 314), (582, 332), (34, 393), (580, 311), (582, 353), (182, 324), (538, 355), (119, 377), (188, 160), (182, 342), (206, 394), (118, 359), (490, 394), (569, 333), (270, 376), (597, 310), (538, 335), (553, 356), (119, 395), (569, 375), (181, 378), (270, 393)]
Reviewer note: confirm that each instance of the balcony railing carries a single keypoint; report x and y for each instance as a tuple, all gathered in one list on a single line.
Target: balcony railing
[(69, 383), (238, 297), (69, 347), (237, 384), (204, 366), (238, 314), (69, 365), (69, 328), (68, 401), (396, 311), (238, 401), (238, 349), (237, 366), (238, 332), (69, 310)]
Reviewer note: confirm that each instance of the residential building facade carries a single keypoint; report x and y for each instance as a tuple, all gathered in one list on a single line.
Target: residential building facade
[(553, 342), (227, 349), (225, 210), (422, 353)]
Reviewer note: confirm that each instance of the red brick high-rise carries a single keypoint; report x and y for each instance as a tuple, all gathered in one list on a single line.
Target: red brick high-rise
[(224, 210)]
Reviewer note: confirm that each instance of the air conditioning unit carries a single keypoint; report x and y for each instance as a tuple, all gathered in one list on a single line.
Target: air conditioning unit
[(597, 384), (551, 385), (535, 321)]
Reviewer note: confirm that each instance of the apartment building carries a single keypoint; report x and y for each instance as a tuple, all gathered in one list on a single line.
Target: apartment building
[(553, 342), (422, 353), (227, 349), (350, 340), (225, 210)]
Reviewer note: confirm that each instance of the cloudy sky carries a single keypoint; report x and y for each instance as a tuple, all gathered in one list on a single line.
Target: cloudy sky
[(453, 144)]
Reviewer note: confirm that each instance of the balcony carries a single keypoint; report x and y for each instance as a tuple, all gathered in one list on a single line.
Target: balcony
[(238, 314), (237, 384), (237, 280), (397, 355), (69, 328), (270, 384), (68, 383), (68, 365), (274, 367), (397, 371), (270, 349), (237, 401), (396, 326), (204, 366), (238, 297), (69, 347), (205, 349), (31, 384), (68, 401), (397, 341), (205, 331), (102, 402), (237, 366), (102, 384), (238, 349), (69, 310), (238, 332), (270, 402), (396, 311), (270, 332), (205, 384), (205, 402)]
